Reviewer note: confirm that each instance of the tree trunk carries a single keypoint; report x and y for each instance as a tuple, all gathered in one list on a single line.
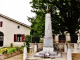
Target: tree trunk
[(74, 38)]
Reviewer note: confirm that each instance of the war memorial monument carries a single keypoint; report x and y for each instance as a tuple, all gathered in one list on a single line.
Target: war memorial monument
[(48, 48)]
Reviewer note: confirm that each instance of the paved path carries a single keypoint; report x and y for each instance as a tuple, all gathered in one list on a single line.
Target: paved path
[(31, 57), (16, 57)]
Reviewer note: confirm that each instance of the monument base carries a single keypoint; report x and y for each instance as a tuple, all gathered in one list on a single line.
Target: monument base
[(48, 41), (48, 49), (51, 54)]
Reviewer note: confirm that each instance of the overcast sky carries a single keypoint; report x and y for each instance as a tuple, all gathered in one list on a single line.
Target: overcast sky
[(16, 9)]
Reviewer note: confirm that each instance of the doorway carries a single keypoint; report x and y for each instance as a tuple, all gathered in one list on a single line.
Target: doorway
[(1, 38)]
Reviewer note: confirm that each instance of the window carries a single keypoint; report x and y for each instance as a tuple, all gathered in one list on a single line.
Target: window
[(18, 27), (1, 23), (18, 37)]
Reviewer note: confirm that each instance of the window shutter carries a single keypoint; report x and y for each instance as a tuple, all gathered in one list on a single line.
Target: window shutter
[(1, 23), (23, 37), (15, 37)]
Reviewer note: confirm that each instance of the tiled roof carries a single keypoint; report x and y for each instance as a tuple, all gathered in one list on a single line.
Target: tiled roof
[(14, 20)]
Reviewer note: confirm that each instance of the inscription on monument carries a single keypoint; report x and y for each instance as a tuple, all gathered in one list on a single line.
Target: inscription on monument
[(48, 42)]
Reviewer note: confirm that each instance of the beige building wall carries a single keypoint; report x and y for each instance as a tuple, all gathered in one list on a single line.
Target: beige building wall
[(9, 28)]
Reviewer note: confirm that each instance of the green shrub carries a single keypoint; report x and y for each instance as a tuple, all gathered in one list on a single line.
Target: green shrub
[(14, 50), (11, 45), (27, 40), (17, 48), (10, 51), (4, 51), (22, 46)]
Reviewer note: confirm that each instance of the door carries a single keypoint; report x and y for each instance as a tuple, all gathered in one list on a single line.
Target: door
[(1, 38)]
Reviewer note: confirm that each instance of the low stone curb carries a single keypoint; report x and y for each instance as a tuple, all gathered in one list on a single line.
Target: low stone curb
[(12, 54)]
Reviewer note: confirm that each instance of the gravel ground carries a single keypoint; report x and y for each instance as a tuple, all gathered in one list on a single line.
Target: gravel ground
[(17, 57)]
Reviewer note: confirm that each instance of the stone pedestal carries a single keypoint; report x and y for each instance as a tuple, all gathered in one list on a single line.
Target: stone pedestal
[(48, 44), (25, 53), (78, 41), (69, 55), (56, 38), (68, 37), (35, 48)]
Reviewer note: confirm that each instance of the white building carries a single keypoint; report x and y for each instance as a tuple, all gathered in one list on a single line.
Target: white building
[(12, 31)]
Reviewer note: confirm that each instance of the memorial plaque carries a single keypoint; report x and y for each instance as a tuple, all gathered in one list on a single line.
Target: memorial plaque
[(48, 42)]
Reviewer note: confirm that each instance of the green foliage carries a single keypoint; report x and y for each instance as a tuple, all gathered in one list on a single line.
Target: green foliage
[(64, 15), (37, 27), (41, 40), (22, 47), (4, 51), (35, 39), (7, 50), (27, 40), (12, 50), (17, 48), (11, 45)]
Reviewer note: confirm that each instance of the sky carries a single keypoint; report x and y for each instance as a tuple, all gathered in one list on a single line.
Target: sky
[(17, 9)]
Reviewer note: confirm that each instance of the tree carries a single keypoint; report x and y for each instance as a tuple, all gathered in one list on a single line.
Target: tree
[(67, 17), (37, 27)]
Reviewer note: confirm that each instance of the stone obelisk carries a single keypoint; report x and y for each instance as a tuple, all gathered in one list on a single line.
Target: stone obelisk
[(48, 48), (48, 39)]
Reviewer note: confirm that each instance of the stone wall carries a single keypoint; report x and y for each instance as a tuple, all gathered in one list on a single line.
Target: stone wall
[(57, 46), (39, 47)]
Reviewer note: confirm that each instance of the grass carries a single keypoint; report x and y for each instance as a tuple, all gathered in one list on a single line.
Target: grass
[(13, 49), (9, 49)]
